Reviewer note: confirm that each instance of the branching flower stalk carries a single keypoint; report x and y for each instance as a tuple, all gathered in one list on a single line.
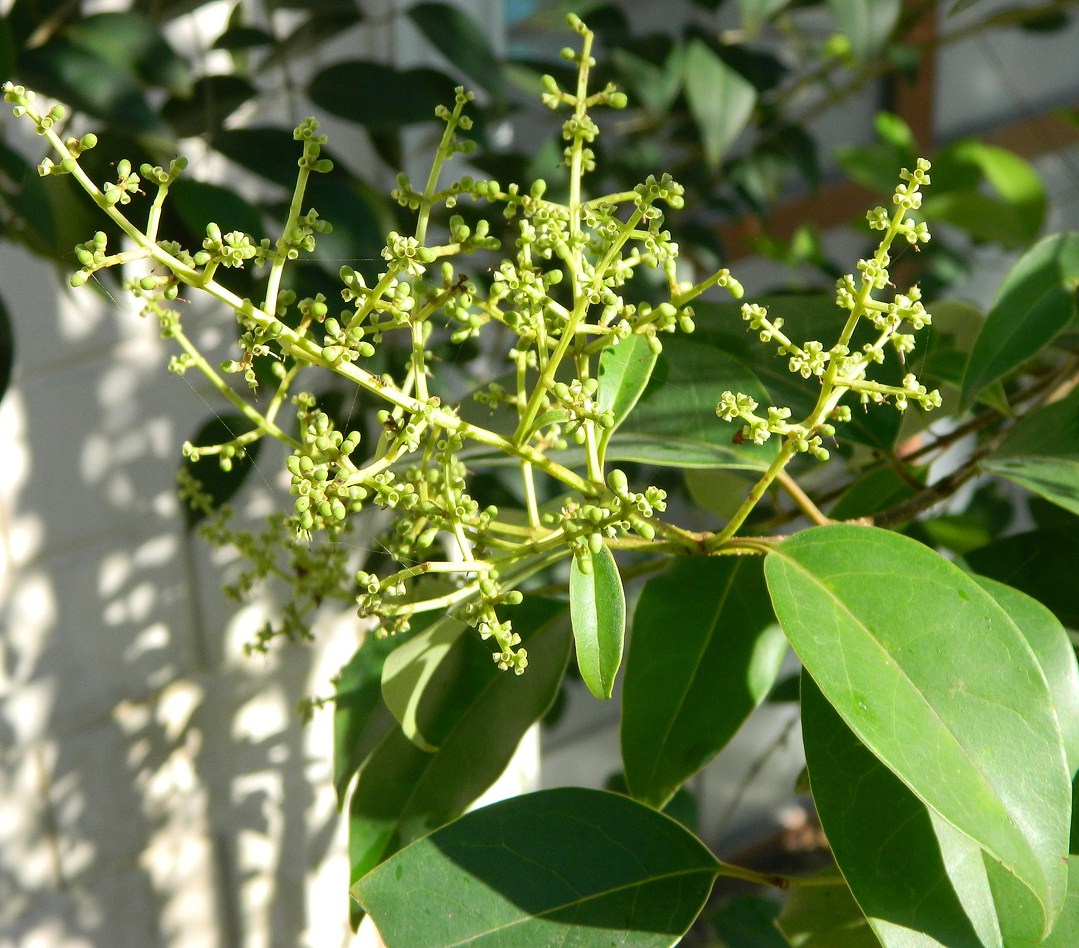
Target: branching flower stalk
[(563, 292)]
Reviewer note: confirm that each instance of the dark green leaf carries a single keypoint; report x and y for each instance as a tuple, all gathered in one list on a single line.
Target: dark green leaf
[(1041, 563), (867, 24), (327, 20), (675, 421), (805, 316), (197, 203), (360, 719), (1035, 301), (597, 605), (912, 873), (219, 484), (624, 371), (404, 792), (922, 665), (243, 37), (720, 99), (462, 41), (824, 915), (1041, 453), (875, 491), (748, 921), (653, 80), (378, 97), (211, 101), (568, 866), (700, 630)]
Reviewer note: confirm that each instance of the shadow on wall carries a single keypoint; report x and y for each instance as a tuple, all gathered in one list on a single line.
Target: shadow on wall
[(155, 784)]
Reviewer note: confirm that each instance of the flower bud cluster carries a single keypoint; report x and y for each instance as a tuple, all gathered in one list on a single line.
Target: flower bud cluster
[(839, 368)]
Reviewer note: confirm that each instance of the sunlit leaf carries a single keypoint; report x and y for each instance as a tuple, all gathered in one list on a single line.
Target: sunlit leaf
[(923, 676)]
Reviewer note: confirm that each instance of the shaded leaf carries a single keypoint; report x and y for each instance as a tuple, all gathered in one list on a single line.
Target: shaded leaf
[(720, 99), (205, 108), (378, 97), (221, 485), (567, 866), (197, 203), (7, 349), (360, 718), (923, 677), (1041, 453), (675, 422), (1040, 563), (404, 792), (702, 629), (824, 915), (597, 605), (132, 43), (1035, 301), (462, 40)]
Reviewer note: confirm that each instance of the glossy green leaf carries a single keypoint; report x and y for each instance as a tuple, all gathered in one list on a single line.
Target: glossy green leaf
[(938, 682), (867, 24), (824, 915), (1035, 301), (360, 718), (917, 880), (597, 605), (991, 193), (624, 371), (462, 41), (1040, 562), (558, 867), (378, 97), (404, 792), (675, 422), (1041, 453), (720, 99), (221, 485), (1053, 649), (700, 630)]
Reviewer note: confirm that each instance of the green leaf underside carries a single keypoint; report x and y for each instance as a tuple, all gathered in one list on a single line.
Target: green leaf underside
[(567, 866), (937, 681), (918, 880), (1041, 453), (404, 792), (1035, 301), (703, 628), (597, 606)]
